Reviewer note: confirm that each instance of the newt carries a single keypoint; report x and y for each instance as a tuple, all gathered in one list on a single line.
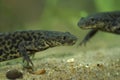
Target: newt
[(25, 43), (103, 21)]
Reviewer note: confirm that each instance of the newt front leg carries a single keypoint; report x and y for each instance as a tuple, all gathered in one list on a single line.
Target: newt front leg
[(88, 36), (24, 54)]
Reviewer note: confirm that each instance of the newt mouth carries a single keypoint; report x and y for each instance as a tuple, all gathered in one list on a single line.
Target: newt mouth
[(87, 27)]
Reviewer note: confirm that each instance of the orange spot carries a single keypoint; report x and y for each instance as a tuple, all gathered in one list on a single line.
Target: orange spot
[(39, 72)]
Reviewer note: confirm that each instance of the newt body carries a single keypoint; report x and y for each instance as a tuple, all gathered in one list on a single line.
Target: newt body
[(24, 43)]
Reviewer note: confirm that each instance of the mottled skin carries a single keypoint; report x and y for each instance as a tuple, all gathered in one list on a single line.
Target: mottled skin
[(104, 21), (24, 43)]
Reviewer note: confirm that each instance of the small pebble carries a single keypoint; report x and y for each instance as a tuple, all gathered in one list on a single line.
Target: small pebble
[(14, 74), (71, 60)]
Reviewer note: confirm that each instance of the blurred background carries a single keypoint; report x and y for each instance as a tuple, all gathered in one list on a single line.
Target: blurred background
[(59, 15)]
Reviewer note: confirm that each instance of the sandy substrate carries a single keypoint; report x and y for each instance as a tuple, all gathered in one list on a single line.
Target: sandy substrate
[(100, 64)]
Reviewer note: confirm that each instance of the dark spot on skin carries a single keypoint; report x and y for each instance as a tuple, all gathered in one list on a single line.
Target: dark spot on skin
[(7, 37), (16, 47), (8, 42), (42, 37), (34, 37), (1, 39), (29, 38), (1, 52), (40, 34), (6, 48), (10, 47), (2, 59), (14, 40), (18, 37), (13, 57), (13, 52), (3, 43)]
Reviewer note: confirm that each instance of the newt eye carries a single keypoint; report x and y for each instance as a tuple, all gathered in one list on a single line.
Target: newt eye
[(92, 20), (64, 38)]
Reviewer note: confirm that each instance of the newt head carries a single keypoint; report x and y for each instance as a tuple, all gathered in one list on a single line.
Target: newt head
[(60, 38), (67, 39), (94, 21)]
